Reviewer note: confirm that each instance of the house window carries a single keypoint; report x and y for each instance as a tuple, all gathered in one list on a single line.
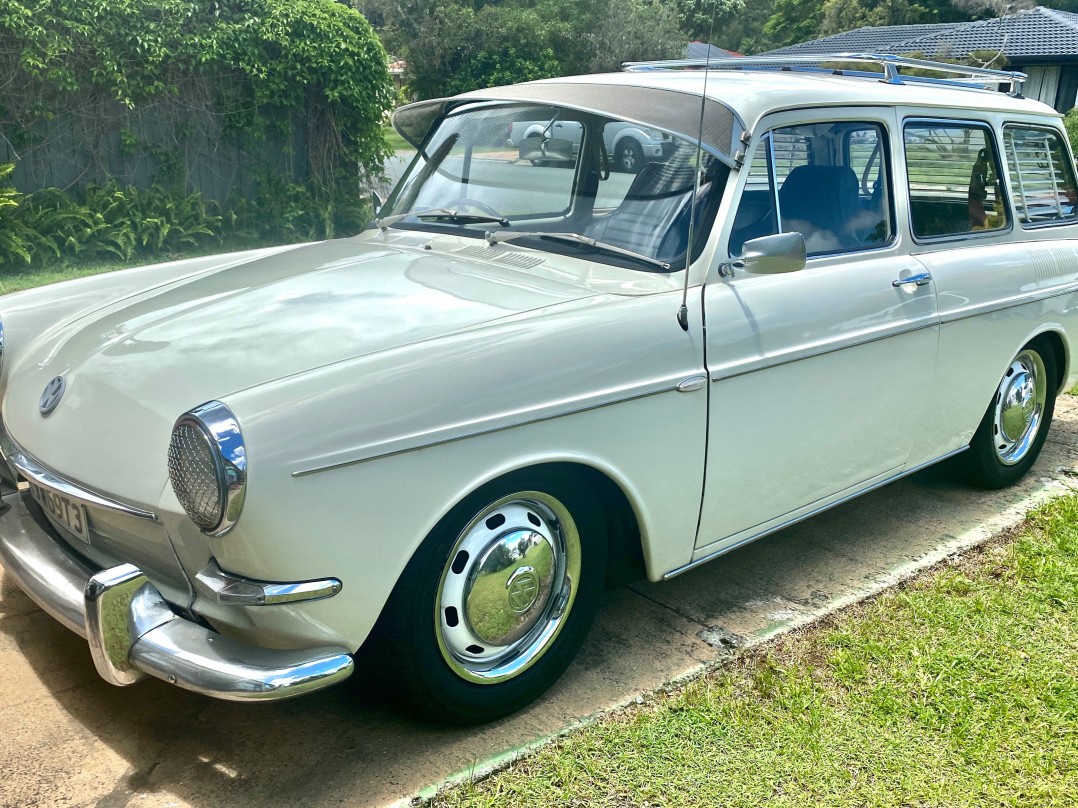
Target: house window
[(1042, 178)]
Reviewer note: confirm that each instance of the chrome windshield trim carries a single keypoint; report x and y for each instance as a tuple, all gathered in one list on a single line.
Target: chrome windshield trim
[(33, 471)]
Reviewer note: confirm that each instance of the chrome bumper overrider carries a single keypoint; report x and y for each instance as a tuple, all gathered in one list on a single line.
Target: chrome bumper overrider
[(132, 631)]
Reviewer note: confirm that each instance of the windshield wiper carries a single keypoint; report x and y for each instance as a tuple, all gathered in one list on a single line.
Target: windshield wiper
[(441, 213), (575, 238)]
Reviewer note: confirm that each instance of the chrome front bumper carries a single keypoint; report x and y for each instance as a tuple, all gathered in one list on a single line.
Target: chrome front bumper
[(132, 631)]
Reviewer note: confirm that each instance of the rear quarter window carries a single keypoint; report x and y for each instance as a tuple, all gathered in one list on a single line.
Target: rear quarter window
[(1041, 175)]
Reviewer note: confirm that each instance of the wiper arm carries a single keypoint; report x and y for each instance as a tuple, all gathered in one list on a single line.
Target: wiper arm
[(497, 237), (440, 213)]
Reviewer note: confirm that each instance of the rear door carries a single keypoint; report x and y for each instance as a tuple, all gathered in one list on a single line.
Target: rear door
[(994, 219)]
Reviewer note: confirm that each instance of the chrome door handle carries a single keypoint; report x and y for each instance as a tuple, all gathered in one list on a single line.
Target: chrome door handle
[(923, 279)]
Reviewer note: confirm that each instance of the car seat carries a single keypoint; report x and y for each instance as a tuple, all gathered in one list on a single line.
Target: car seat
[(653, 217), (821, 202)]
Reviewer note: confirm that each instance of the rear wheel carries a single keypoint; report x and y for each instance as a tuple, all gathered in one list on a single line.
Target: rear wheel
[(497, 600), (1015, 425)]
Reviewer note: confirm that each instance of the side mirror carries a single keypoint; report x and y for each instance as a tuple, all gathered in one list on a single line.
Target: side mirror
[(773, 255), (376, 202)]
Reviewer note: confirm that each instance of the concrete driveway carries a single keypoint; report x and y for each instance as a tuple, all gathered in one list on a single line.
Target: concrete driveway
[(72, 740)]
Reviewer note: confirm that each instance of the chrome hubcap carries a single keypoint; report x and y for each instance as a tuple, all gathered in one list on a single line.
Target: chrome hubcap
[(1019, 407), (507, 587)]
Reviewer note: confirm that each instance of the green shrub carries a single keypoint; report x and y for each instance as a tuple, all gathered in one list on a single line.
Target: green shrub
[(1071, 122), (15, 242), (146, 79), (129, 223)]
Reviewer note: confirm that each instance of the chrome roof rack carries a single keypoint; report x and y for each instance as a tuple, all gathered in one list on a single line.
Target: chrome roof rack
[(980, 78)]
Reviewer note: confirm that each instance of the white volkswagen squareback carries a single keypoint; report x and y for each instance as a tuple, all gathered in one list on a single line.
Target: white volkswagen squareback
[(438, 440)]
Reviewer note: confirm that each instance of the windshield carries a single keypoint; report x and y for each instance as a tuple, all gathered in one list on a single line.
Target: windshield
[(540, 172)]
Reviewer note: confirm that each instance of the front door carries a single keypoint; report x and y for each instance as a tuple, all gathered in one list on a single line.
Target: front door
[(819, 378)]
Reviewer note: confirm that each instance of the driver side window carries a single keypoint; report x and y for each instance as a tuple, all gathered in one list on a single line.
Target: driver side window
[(828, 181)]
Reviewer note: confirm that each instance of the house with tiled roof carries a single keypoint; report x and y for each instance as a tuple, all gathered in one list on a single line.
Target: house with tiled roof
[(702, 50), (1041, 42)]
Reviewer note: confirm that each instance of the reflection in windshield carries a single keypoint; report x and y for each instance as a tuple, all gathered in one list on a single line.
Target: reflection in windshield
[(543, 169)]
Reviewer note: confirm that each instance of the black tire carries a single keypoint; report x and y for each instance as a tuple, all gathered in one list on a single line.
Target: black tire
[(996, 459), (628, 156), (411, 643)]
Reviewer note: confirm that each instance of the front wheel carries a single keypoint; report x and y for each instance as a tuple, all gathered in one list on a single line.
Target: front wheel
[(1015, 425), (629, 156), (495, 603)]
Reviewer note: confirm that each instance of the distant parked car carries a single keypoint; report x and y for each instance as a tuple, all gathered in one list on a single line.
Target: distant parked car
[(427, 448), (628, 146)]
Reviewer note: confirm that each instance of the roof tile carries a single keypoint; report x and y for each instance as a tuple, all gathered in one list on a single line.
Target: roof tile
[(1038, 33)]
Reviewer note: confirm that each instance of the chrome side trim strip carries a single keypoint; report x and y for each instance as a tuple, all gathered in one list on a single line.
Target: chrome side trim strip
[(35, 472), (233, 590), (790, 522), (510, 420), (1007, 303), (798, 354)]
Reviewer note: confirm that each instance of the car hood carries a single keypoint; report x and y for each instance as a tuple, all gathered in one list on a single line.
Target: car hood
[(133, 366)]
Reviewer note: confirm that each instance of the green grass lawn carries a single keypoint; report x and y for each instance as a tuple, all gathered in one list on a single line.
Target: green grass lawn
[(21, 279), (958, 689)]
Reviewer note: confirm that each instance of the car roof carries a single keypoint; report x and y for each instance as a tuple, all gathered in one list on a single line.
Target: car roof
[(738, 94), (750, 94)]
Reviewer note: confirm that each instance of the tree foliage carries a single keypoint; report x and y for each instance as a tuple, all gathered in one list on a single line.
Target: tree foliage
[(1070, 121), (454, 46), (241, 68)]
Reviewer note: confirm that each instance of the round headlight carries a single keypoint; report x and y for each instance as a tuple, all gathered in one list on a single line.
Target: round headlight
[(207, 464)]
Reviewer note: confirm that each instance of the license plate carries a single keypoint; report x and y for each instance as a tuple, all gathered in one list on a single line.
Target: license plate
[(68, 512)]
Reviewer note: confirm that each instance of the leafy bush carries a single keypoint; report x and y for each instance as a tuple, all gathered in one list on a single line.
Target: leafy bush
[(166, 81), (280, 212), (15, 241), (101, 220), (128, 223), (1070, 121)]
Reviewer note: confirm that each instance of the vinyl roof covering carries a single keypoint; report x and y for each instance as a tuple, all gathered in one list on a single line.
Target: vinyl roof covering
[(670, 99), (1036, 35), (674, 110)]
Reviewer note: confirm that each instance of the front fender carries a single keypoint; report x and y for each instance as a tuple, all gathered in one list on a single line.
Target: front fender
[(350, 466)]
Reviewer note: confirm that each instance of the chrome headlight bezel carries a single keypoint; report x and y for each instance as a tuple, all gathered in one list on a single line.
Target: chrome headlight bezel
[(214, 424)]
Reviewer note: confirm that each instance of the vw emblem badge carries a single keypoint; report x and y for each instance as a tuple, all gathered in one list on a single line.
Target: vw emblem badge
[(50, 399), (523, 586)]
